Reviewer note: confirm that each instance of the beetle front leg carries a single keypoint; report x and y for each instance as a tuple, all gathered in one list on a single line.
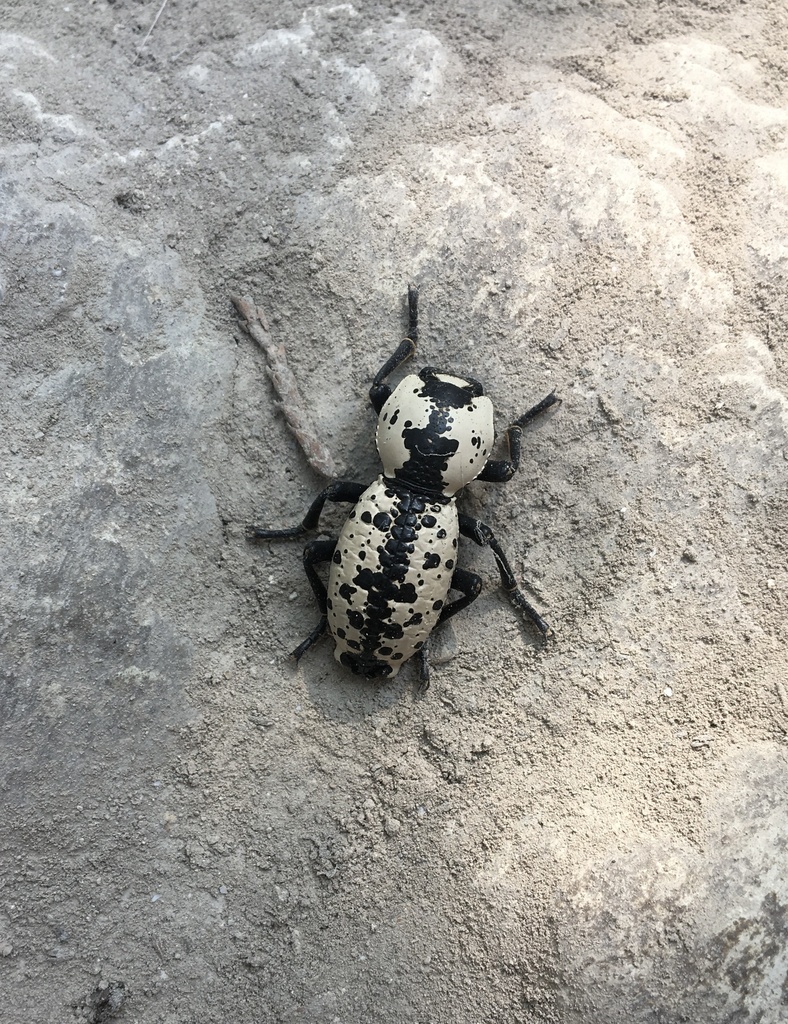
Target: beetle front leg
[(379, 391), (340, 490), (501, 470), (482, 535)]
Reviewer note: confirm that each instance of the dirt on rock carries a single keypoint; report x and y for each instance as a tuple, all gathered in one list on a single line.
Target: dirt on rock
[(592, 197)]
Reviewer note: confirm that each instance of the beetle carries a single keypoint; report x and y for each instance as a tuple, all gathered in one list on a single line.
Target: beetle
[(395, 560)]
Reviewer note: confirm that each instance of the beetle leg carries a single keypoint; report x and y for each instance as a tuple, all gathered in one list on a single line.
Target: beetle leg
[(379, 391), (501, 470), (316, 634), (424, 667), (315, 552), (340, 490), (482, 535), (469, 585)]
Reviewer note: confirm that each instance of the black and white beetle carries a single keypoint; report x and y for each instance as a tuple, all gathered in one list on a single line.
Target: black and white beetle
[(395, 560)]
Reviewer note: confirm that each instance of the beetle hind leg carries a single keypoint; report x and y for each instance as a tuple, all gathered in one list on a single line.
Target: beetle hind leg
[(469, 585), (317, 634), (314, 553), (424, 667)]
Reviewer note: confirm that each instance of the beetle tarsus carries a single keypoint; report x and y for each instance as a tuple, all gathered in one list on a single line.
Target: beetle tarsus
[(519, 600), (340, 490), (413, 313), (317, 633), (424, 668)]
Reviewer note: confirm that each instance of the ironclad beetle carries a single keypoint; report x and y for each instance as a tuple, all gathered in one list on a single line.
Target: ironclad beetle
[(395, 561)]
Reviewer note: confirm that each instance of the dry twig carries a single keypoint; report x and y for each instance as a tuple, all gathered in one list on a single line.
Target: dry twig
[(255, 324)]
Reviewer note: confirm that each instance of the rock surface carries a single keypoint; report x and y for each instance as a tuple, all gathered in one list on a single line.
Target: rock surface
[(594, 198)]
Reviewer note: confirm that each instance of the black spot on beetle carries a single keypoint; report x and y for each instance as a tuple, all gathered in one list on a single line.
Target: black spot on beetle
[(396, 656), (341, 633), (437, 605), (385, 651), (381, 589), (381, 521), (393, 631), (356, 619), (366, 517), (449, 563), (431, 560), (337, 559), (394, 417), (362, 555), (446, 394), (346, 591), (441, 534), (429, 521), (414, 620)]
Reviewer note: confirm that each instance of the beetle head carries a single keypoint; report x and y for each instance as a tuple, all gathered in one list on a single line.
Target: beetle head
[(435, 432)]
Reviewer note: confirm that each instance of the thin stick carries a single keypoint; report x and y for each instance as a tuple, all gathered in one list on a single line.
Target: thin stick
[(141, 47), (255, 324)]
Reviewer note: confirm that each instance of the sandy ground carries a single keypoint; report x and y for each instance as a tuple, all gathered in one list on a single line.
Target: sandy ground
[(593, 197)]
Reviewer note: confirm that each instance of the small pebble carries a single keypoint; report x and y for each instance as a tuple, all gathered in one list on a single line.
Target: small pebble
[(392, 826)]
